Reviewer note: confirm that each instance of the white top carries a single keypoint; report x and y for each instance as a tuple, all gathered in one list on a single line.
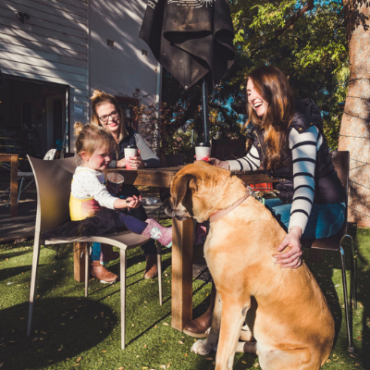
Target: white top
[(88, 183), (304, 147)]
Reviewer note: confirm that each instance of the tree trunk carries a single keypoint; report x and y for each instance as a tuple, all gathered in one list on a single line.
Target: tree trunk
[(355, 126)]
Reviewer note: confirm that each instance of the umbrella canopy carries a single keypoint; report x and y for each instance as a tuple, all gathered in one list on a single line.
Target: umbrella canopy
[(190, 38)]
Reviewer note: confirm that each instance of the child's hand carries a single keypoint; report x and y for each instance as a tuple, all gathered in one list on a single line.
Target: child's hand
[(133, 202)]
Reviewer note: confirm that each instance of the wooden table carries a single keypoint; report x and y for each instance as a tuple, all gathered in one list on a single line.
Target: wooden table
[(182, 239), (13, 159)]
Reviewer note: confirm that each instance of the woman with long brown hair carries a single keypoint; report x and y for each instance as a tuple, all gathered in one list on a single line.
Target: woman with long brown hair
[(107, 114), (288, 143)]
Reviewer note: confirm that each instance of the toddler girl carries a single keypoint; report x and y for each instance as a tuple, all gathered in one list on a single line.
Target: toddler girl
[(91, 201)]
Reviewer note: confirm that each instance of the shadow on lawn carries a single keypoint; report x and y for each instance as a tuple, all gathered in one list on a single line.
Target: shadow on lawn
[(61, 251), (11, 254), (323, 272), (324, 275), (62, 328), (363, 293), (11, 272)]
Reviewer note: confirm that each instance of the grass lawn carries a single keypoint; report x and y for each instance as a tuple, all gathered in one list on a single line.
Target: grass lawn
[(71, 331)]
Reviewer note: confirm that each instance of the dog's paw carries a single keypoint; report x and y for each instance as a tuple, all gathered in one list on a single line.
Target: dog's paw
[(202, 347)]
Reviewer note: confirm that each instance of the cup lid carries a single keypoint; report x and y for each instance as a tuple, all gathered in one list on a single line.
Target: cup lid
[(131, 146), (203, 144)]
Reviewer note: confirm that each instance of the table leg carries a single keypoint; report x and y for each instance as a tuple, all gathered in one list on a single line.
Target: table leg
[(182, 261), (79, 250)]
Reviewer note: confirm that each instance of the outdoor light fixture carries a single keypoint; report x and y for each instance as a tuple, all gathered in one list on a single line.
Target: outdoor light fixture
[(22, 17)]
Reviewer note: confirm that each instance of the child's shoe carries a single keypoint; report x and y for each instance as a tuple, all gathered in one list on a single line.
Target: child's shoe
[(158, 232), (101, 273), (151, 269)]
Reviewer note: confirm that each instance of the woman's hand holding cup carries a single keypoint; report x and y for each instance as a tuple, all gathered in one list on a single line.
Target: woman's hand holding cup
[(135, 162), (121, 163), (133, 158)]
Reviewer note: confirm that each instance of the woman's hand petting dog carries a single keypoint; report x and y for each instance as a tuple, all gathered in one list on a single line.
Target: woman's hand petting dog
[(216, 162), (292, 258)]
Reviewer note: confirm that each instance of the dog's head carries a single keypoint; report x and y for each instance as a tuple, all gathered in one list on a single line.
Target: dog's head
[(198, 190)]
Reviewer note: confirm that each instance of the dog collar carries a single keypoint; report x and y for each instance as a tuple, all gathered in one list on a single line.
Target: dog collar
[(223, 212)]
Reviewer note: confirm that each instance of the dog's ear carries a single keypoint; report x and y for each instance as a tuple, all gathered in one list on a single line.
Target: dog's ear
[(181, 185)]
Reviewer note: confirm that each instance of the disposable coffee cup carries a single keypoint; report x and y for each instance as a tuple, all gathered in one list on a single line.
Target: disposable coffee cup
[(130, 151), (202, 152), (115, 181)]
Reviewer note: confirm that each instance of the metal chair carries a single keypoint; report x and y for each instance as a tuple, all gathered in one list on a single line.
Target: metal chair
[(53, 183), (335, 243), (22, 176)]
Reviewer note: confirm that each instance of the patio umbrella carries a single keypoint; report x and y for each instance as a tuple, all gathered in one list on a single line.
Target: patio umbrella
[(192, 39)]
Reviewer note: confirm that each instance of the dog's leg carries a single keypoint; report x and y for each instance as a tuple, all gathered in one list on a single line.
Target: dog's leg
[(232, 319), (203, 347), (246, 333), (295, 359), (247, 347)]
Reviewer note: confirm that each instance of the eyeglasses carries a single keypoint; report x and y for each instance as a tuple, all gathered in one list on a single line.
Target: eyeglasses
[(105, 118)]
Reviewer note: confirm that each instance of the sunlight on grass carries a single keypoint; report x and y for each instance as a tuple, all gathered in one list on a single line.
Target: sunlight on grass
[(71, 331)]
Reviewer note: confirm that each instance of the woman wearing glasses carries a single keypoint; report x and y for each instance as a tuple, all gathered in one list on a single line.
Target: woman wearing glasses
[(106, 113)]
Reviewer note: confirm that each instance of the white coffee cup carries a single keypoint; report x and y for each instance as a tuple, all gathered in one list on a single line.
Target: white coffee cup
[(202, 152), (130, 152)]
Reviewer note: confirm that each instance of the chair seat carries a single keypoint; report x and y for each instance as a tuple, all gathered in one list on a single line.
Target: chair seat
[(332, 243), (126, 239)]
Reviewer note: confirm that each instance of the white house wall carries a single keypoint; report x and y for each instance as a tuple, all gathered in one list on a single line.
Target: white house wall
[(124, 68), (51, 46)]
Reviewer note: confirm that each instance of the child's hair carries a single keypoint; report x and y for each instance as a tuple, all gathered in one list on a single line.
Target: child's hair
[(100, 97), (90, 137)]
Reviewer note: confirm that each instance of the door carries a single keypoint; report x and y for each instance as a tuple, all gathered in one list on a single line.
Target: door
[(56, 120)]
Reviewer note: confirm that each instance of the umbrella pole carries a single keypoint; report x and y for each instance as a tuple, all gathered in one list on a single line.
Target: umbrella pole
[(205, 110)]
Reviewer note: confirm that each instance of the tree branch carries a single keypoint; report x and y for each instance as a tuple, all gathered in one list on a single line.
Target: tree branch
[(223, 112), (295, 17), (180, 121), (309, 6)]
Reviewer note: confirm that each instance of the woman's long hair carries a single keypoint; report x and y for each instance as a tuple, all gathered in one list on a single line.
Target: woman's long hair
[(273, 86), (100, 97)]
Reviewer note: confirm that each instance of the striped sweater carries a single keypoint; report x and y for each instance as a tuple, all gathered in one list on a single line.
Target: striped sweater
[(304, 147)]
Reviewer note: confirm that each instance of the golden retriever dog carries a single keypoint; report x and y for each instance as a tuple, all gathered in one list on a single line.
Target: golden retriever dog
[(280, 314)]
